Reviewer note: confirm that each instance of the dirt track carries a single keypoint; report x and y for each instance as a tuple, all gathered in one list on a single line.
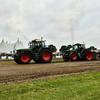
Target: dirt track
[(12, 72)]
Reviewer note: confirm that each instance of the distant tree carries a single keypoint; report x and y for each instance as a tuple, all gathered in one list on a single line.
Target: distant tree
[(52, 47), (63, 48)]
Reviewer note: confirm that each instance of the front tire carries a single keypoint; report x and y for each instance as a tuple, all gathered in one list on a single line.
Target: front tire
[(73, 56), (24, 57), (46, 56)]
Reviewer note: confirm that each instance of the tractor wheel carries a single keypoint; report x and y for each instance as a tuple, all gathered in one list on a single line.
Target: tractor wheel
[(16, 60), (73, 56), (46, 56), (24, 57), (88, 55)]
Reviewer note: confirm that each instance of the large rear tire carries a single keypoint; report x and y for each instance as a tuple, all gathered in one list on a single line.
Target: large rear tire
[(73, 56), (24, 57), (87, 55), (45, 56)]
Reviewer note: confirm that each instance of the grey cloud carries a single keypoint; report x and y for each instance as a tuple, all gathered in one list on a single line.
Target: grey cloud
[(55, 20)]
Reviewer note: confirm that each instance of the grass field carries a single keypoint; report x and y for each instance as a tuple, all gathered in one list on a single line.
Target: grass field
[(77, 87)]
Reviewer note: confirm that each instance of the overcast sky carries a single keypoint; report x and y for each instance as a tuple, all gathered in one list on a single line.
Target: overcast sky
[(59, 22)]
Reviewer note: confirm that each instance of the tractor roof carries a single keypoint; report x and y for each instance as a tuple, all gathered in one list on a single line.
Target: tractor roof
[(35, 40), (79, 44)]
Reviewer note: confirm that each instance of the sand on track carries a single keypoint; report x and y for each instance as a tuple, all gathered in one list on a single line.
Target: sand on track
[(13, 73)]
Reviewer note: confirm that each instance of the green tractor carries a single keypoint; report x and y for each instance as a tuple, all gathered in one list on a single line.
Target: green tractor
[(78, 52), (37, 51)]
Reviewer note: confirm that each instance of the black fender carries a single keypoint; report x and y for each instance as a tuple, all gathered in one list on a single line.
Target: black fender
[(44, 48), (76, 53), (28, 52), (84, 51)]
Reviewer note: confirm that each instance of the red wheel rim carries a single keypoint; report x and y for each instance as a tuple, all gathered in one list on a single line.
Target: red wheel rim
[(25, 57), (74, 56), (46, 56), (89, 55)]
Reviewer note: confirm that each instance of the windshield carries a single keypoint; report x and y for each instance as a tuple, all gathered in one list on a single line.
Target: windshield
[(43, 44), (31, 44), (75, 47), (36, 44), (78, 46)]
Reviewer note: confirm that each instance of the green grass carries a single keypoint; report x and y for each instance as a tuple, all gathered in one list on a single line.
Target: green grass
[(77, 87), (6, 59), (56, 60), (6, 62)]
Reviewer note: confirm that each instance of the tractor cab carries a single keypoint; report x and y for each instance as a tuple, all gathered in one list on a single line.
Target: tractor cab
[(79, 47), (36, 43)]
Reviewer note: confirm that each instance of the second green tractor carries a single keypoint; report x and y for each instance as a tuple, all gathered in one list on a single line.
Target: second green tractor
[(78, 52)]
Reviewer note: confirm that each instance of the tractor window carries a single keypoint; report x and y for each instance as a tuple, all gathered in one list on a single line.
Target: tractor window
[(75, 47), (31, 45), (43, 44), (37, 44)]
